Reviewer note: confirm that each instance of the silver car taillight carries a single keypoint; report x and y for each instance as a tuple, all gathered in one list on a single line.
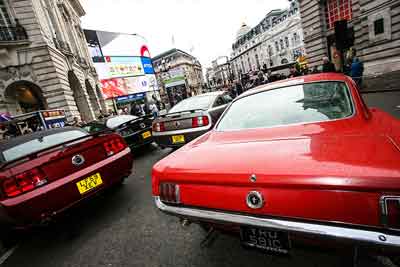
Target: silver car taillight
[(170, 193), (390, 211)]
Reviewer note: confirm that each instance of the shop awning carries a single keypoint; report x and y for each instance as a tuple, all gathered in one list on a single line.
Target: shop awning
[(182, 82)]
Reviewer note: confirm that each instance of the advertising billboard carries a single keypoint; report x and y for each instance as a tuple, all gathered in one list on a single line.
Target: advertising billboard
[(117, 70), (147, 65), (116, 87), (111, 44), (122, 62), (174, 77)]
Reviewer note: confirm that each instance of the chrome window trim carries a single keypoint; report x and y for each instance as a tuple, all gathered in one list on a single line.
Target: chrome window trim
[(183, 131), (373, 236), (258, 91)]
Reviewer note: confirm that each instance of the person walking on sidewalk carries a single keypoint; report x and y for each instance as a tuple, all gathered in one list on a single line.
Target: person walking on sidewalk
[(356, 71)]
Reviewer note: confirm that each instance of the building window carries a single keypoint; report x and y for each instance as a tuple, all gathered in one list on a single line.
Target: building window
[(379, 26), (295, 38), (5, 19), (281, 42), (270, 50), (287, 41), (276, 46), (379, 23), (336, 10), (258, 62)]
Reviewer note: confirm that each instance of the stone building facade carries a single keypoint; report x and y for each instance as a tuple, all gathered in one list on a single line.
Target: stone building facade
[(221, 71), (373, 33), (178, 72), (276, 41), (44, 60)]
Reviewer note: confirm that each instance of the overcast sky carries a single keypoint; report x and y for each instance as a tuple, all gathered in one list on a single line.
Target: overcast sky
[(205, 27)]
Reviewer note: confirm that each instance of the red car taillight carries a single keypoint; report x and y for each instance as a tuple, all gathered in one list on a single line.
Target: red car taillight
[(159, 127), (391, 212), (23, 182), (114, 146), (200, 121), (170, 193)]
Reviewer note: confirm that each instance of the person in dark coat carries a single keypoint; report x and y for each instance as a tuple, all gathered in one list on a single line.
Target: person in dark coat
[(327, 65), (293, 72), (356, 71)]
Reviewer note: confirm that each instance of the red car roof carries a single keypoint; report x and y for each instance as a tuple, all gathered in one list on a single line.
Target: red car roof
[(332, 76)]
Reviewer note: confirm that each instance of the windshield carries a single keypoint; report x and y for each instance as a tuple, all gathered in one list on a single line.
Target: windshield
[(117, 121), (94, 127), (289, 105), (197, 102), (26, 148)]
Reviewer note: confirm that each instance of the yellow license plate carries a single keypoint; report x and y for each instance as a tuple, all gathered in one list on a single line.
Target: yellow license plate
[(89, 183), (178, 139), (146, 134)]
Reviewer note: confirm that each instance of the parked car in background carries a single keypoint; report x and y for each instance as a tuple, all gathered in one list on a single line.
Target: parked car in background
[(44, 173), (189, 119), (135, 130), (296, 161)]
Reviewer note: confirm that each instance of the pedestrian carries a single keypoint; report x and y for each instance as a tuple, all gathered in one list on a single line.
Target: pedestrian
[(327, 65), (3, 130), (356, 71), (260, 77), (293, 72), (153, 109), (315, 70), (75, 122)]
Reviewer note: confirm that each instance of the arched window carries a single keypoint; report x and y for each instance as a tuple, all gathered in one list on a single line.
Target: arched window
[(281, 42), (287, 41), (276, 46)]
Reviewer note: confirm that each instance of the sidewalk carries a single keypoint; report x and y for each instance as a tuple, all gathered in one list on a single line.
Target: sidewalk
[(387, 101)]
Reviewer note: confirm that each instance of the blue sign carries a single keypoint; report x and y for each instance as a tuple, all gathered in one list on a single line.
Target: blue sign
[(147, 65), (55, 123), (130, 98)]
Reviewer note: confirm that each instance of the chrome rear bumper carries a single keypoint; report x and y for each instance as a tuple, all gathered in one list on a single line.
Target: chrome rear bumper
[(315, 229)]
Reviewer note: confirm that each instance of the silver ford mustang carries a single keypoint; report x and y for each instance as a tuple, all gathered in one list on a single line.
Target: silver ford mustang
[(189, 119)]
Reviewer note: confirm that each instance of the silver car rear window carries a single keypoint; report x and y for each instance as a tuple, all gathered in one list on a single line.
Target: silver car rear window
[(193, 103)]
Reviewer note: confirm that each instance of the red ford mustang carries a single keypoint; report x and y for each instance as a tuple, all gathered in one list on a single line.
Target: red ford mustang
[(298, 160), (44, 173)]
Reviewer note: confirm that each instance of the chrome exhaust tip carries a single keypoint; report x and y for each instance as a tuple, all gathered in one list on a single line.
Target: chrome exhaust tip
[(185, 222)]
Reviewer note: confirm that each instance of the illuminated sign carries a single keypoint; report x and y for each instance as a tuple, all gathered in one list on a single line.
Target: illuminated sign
[(116, 87), (130, 98), (147, 65)]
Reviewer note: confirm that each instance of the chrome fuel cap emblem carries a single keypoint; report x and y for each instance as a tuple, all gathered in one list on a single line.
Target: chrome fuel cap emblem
[(254, 200), (78, 160), (253, 178)]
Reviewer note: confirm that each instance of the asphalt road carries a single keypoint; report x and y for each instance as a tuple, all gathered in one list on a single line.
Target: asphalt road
[(123, 228)]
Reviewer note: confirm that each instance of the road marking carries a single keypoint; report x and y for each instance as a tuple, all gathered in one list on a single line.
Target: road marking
[(7, 254)]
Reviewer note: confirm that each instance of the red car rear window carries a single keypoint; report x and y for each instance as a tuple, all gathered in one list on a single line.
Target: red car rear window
[(31, 146), (304, 103)]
